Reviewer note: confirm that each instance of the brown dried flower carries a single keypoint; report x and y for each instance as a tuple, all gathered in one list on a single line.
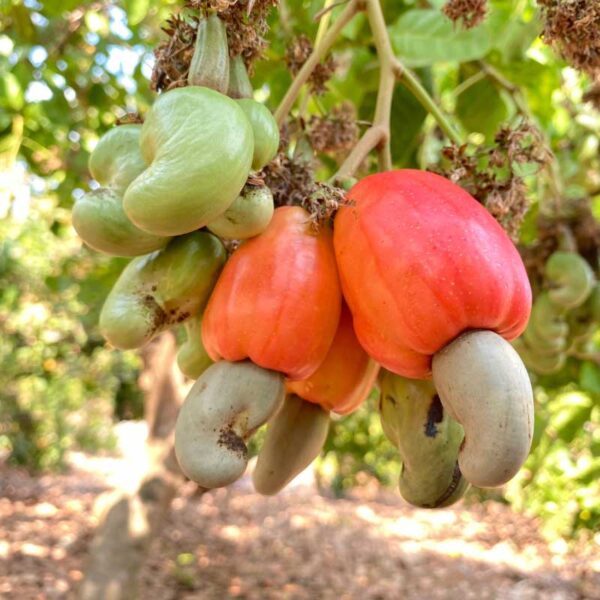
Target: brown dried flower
[(592, 95), (469, 12), (573, 28), (336, 132), (490, 174), (296, 56)]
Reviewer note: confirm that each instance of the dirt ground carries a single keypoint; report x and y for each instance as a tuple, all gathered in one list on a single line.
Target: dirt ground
[(235, 544)]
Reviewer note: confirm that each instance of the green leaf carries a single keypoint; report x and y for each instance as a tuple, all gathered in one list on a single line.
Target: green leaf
[(136, 10), (482, 108), (422, 37), (11, 92), (589, 377)]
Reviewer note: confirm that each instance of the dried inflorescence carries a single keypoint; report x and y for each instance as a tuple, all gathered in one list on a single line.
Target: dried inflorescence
[(336, 132), (291, 180), (469, 13), (297, 54), (173, 56), (573, 28), (246, 22), (489, 174)]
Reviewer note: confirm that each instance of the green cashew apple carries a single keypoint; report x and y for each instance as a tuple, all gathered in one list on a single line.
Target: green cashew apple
[(427, 438), (239, 82), (249, 215), (98, 216), (210, 62), (295, 436), (227, 404), (266, 132), (198, 145), (161, 289), (192, 358), (570, 279)]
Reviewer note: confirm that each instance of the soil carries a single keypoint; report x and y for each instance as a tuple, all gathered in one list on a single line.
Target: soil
[(233, 543)]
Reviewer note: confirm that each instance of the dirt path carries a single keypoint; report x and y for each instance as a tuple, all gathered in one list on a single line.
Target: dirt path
[(233, 543)]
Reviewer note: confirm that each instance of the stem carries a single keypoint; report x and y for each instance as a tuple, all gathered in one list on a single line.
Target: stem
[(368, 142), (313, 60)]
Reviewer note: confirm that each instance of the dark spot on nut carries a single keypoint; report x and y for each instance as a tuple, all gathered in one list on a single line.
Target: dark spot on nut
[(232, 441), (435, 414)]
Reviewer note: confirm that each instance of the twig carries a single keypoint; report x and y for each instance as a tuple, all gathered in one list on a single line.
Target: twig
[(313, 60)]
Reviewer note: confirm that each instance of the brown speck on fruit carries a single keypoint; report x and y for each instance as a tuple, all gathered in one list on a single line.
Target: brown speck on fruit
[(232, 441)]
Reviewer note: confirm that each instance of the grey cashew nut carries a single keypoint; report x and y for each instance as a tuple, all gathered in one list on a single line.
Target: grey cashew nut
[(484, 385), (295, 436), (225, 406)]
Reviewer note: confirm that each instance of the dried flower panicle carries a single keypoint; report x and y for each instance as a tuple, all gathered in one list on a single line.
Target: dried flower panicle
[(291, 180), (297, 54), (573, 28), (173, 56), (489, 174), (337, 132), (592, 95), (469, 13)]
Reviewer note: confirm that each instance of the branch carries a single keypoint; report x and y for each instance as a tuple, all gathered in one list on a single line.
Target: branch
[(314, 59), (372, 137)]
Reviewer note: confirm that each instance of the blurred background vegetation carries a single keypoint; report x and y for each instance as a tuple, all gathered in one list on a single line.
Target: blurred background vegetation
[(69, 70)]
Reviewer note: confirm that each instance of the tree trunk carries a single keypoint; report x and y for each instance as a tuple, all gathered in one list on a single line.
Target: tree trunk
[(132, 520)]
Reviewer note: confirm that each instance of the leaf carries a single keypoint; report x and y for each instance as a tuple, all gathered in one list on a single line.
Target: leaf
[(482, 108), (422, 37), (589, 377), (136, 10)]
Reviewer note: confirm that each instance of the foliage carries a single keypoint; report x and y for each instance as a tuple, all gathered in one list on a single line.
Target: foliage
[(70, 70)]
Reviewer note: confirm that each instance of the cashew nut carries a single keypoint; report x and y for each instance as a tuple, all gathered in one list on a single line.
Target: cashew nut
[(484, 385), (294, 439), (222, 410)]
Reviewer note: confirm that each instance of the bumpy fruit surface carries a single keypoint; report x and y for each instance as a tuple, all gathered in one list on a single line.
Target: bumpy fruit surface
[(295, 436), (266, 132), (249, 215), (346, 376), (278, 299), (98, 216), (161, 289), (427, 438), (422, 261), (227, 404), (192, 358), (198, 145)]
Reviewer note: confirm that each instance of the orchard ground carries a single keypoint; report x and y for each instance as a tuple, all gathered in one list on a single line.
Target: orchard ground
[(233, 543)]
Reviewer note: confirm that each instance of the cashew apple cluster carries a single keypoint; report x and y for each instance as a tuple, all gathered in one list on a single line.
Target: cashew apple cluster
[(413, 275), (564, 316)]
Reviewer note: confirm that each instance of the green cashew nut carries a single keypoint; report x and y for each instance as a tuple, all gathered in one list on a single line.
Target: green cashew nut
[(570, 279), (427, 438), (584, 319), (295, 436), (484, 385), (239, 82), (98, 216), (542, 364), (543, 345), (266, 132), (227, 404), (249, 215), (161, 289), (210, 63), (199, 146), (192, 358)]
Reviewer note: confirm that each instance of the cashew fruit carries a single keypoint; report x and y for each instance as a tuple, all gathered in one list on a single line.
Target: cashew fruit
[(484, 385), (98, 216), (570, 279), (266, 131), (239, 82), (160, 289), (542, 364), (295, 436), (427, 438), (210, 62), (192, 358), (249, 215), (225, 406), (420, 262), (198, 145)]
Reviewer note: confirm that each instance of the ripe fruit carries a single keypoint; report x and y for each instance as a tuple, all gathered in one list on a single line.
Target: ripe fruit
[(278, 299)]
